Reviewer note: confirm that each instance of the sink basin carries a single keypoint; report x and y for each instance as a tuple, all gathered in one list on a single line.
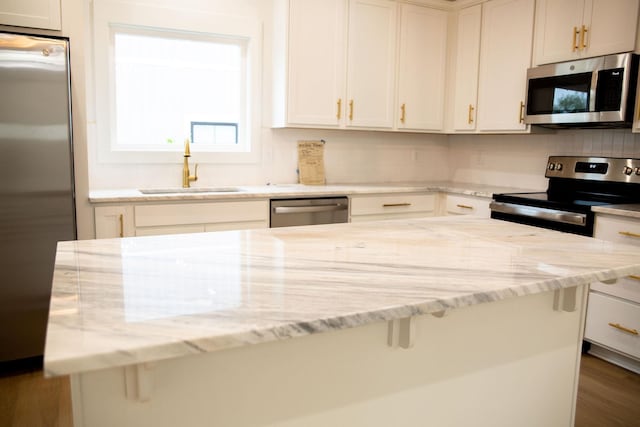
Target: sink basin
[(190, 190)]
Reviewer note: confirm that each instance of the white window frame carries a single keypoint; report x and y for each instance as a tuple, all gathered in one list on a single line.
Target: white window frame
[(109, 15)]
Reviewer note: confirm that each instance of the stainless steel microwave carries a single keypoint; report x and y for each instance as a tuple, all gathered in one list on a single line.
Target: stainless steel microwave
[(592, 92)]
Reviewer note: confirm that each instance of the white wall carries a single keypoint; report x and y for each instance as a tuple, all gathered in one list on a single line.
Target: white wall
[(520, 160)]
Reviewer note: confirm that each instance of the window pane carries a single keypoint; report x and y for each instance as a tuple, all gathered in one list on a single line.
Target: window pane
[(164, 83)]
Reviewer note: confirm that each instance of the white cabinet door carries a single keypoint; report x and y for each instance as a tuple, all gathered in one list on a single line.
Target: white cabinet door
[(558, 25), (570, 29), (610, 26), (506, 43), (371, 63), (421, 68), (466, 70), (316, 66), (114, 221), (31, 13)]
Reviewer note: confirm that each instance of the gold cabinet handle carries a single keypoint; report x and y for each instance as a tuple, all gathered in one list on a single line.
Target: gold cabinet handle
[(634, 277), (339, 113), (393, 205), (583, 37), (470, 117), (521, 112), (403, 111), (629, 234), (574, 44), (465, 207), (622, 328), (121, 219), (351, 109)]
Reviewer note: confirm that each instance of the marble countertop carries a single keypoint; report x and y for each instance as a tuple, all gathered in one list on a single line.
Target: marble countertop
[(299, 190), (117, 302), (631, 211)]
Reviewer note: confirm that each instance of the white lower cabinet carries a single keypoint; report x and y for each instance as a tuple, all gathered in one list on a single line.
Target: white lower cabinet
[(157, 219), (467, 205), (373, 207), (114, 221), (613, 314)]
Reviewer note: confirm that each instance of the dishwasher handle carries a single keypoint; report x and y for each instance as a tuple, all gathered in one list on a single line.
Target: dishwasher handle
[(309, 209)]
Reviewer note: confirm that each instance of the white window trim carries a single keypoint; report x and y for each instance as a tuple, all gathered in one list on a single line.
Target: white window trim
[(107, 14)]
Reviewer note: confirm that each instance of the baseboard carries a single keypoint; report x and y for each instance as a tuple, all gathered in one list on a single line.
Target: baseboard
[(615, 358)]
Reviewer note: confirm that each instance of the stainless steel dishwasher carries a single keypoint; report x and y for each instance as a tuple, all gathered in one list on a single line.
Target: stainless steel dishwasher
[(309, 211)]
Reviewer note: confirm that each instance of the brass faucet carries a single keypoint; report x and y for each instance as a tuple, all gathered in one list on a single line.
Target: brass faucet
[(186, 175)]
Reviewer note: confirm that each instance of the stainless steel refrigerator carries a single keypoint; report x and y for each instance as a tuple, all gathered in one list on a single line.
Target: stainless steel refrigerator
[(37, 205)]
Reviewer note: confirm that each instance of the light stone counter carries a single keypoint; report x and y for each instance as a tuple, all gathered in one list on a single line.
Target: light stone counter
[(117, 302), (299, 190), (631, 211), (373, 324)]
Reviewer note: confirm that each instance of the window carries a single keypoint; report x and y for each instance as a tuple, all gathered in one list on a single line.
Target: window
[(169, 87), (164, 73)]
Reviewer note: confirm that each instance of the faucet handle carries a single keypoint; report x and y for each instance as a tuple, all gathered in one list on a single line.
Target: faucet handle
[(195, 174)]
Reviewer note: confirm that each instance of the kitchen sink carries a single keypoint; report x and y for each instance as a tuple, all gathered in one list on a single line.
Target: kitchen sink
[(190, 190)]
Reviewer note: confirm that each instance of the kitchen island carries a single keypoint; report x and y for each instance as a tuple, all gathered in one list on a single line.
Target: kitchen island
[(437, 321)]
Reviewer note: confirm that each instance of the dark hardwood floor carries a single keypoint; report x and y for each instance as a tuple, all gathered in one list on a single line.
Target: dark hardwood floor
[(608, 396)]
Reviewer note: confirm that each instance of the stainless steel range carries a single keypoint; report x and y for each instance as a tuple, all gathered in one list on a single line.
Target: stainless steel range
[(575, 185)]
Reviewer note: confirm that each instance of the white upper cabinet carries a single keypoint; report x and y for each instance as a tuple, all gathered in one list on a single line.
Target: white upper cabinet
[(421, 68), (371, 63), (31, 13), (467, 55), (506, 44), (570, 29), (316, 65)]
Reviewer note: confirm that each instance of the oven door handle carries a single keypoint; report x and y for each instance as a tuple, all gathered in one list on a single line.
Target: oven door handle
[(540, 213)]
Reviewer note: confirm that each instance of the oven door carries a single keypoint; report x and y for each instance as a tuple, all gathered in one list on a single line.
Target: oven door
[(554, 219)]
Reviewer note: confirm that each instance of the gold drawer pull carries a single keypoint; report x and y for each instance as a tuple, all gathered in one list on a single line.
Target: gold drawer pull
[(574, 44), (634, 277), (121, 225), (629, 234), (622, 328), (521, 112), (465, 207), (393, 205), (470, 117), (339, 113)]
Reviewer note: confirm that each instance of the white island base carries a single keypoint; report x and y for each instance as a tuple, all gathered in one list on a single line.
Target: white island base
[(508, 363)]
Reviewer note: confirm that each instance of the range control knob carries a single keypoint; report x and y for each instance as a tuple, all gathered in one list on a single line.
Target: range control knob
[(551, 166), (559, 166), (637, 171), (627, 170)]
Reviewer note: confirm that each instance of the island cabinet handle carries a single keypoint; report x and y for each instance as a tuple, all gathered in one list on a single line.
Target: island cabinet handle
[(121, 219), (624, 329), (634, 277), (629, 234), (465, 207), (393, 205)]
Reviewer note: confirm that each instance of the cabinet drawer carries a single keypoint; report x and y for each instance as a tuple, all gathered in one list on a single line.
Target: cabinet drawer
[(617, 229), (627, 288), (614, 323), (466, 205), (393, 204), (201, 213)]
